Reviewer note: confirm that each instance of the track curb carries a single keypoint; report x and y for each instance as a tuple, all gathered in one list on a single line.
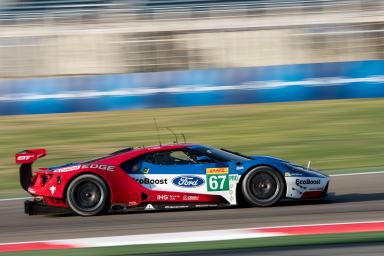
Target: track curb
[(196, 236)]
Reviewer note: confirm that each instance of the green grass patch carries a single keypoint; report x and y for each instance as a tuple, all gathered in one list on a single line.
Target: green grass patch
[(367, 237), (337, 136)]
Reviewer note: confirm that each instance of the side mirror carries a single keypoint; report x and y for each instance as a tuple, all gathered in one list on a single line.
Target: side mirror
[(204, 159)]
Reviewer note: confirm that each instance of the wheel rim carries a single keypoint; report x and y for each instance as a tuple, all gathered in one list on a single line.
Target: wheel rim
[(88, 196), (264, 187)]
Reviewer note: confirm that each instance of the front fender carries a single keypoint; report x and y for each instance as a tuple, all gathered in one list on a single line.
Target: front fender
[(300, 181), (274, 163)]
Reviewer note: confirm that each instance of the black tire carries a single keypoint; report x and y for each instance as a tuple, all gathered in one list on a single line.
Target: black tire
[(87, 195), (263, 186)]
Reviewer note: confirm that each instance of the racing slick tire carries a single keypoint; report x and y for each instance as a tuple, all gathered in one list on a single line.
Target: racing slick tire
[(87, 195), (263, 186)]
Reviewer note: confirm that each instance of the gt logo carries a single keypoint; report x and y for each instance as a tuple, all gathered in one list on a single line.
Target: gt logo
[(24, 158)]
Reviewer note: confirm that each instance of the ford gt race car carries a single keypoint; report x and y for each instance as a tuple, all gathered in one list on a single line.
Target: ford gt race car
[(165, 177)]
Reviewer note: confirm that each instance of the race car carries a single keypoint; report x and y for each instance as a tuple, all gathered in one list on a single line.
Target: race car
[(165, 177)]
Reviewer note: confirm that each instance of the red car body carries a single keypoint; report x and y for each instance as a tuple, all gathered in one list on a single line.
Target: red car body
[(50, 187)]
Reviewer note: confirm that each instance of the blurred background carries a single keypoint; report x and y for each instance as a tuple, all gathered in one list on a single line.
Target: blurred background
[(59, 56), (63, 37)]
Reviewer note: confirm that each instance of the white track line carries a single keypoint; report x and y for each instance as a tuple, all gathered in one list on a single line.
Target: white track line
[(165, 238), (191, 236), (14, 199), (332, 175), (318, 224), (356, 173)]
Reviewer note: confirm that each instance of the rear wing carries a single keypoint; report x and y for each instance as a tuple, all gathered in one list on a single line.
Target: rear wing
[(29, 155), (26, 158)]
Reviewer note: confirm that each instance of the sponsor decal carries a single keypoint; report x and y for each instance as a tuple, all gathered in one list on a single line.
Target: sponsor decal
[(188, 181), (149, 207), (307, 182), (162, 197), (234, 177), (31, 190), (147, 181), (68, 169), (176, 206), (104, 167), (167, 197), (217, 170), (146, 170), (190, 198), (52, 189), (133, 203)]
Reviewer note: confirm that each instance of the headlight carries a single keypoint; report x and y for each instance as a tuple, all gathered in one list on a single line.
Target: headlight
[(301, 170), (294, 167)]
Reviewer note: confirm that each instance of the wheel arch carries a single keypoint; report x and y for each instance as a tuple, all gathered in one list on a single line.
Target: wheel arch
[(109, 200), (239, 195)]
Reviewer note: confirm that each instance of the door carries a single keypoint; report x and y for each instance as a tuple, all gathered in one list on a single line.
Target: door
[(184, 171)]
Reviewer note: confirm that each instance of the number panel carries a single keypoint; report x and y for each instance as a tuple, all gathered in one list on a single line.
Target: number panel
[(217, 179)]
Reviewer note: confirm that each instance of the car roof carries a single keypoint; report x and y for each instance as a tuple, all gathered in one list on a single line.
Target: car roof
[(161, 147), (131, 152)]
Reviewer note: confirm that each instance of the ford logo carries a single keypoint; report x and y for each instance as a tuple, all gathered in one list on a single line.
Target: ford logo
[(188, 181)]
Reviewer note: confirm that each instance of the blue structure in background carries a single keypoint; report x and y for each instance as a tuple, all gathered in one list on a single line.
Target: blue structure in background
[(342, 80)]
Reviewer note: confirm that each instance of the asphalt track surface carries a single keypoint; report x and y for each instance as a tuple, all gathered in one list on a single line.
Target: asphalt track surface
[(358, 198)]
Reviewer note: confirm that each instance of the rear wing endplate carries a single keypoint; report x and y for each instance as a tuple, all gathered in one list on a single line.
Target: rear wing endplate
[(26, 158)]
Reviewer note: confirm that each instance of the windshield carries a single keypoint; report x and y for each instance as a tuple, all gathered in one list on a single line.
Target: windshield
[(220, 155)]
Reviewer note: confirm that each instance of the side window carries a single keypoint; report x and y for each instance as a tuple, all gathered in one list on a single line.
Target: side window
[(132, 166), (176, 157), (201, 158), (180, 157)]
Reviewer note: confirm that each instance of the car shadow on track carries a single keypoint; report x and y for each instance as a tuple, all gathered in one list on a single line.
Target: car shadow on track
[(71, 214)]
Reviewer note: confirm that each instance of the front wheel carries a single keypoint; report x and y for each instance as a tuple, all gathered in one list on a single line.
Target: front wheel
[(263, 186), (87, 195)]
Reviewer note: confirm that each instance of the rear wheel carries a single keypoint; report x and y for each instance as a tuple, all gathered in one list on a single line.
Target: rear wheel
[(263, 186), (87, 195)]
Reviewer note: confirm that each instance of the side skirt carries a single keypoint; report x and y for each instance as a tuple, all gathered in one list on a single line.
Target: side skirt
[(165, 207)]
